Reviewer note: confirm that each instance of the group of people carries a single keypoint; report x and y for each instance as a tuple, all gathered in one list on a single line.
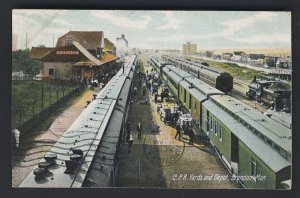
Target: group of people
[(187, 130)]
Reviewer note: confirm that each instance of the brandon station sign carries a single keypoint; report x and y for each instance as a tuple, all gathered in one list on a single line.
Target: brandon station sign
[(67, 52)]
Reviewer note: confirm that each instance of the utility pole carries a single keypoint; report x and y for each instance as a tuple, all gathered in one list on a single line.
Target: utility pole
[(26, 41), (42, 106), (53, 40)]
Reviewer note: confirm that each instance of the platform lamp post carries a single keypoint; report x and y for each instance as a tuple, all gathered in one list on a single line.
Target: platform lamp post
[(91, 72), (42, 105)]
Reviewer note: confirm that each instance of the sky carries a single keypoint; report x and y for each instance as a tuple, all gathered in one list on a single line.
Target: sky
[(158, 29)]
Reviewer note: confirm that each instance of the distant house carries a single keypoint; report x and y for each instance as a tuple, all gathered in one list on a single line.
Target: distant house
[(257, 59), (227, 56), (283, 63), (217, 56), (270, 61), (78, 55), (238, 56)]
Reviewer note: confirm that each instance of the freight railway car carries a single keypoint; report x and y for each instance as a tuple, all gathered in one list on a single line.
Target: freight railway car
[(220, 80), (255, 148), (91, 145)]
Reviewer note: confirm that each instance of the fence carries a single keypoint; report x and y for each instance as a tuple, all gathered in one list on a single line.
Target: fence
[(29, 124)]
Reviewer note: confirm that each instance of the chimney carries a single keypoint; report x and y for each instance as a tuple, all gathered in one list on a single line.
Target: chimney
[(69, 40)]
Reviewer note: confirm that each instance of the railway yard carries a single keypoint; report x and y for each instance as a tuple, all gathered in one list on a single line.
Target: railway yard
[(125, 137)]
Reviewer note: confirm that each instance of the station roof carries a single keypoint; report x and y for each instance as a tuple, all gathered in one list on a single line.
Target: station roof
[(269, 156), (89, 39), (39, 52)]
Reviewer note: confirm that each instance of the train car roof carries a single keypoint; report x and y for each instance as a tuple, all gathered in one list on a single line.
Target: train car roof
[(202, 87), (107, 148), (178, 71), (85, 133), (171, 74), (273, 130), (269, 156)]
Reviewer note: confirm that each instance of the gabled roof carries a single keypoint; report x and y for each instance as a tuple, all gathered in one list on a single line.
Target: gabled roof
[(39, 52), (227, 53), (108, 45), (87, 53), (256, 56), (238, 53), (88, 39)]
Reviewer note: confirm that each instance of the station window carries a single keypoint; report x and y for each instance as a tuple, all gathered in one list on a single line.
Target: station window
[(51, 71), (253, 167)]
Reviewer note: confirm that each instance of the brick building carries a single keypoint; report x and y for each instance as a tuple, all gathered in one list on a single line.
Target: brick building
[(78, 55)]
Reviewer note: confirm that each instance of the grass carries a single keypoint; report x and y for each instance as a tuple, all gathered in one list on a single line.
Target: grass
[(27, 98), (27, 138), (240, 73)]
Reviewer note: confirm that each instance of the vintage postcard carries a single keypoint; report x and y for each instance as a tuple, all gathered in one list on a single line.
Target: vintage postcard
[(158, 99)]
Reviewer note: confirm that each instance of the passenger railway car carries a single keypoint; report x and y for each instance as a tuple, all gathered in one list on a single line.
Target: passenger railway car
[(220, 80), (254, 148), (88, 152)]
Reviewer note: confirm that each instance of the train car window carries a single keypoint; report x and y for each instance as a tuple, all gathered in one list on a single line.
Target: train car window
[(283, 153), (255, 131), (253, 167), (262, 137), (216, 132), (211, 124), (276, 147), (269, 141), (221, 134)]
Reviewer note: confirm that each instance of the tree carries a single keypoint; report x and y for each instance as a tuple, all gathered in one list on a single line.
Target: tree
[(208, 54), (22, 62), (18, 105), (18, 59)]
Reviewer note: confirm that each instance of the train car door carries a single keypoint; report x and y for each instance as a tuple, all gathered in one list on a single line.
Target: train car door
[(234, 153), (200, 119)]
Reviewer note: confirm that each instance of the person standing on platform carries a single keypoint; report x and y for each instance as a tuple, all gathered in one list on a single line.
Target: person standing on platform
[(135, 90), (128, 131), (178, 131), (139, 130), (191, 134)]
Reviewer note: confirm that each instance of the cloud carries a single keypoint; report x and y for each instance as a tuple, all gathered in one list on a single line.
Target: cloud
[(122, 21), (233, 26), (41, 13), (265, 38), (172, 22)]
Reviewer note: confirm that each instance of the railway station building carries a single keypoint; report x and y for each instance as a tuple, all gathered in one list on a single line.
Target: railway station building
[(79, 56)]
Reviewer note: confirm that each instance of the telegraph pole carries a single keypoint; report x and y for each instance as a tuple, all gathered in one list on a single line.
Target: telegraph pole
[(53, 40), (26, 41), (42, 106)]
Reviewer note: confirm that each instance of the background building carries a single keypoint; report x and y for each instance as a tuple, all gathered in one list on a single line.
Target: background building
[(122, 46), (189, 48)]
